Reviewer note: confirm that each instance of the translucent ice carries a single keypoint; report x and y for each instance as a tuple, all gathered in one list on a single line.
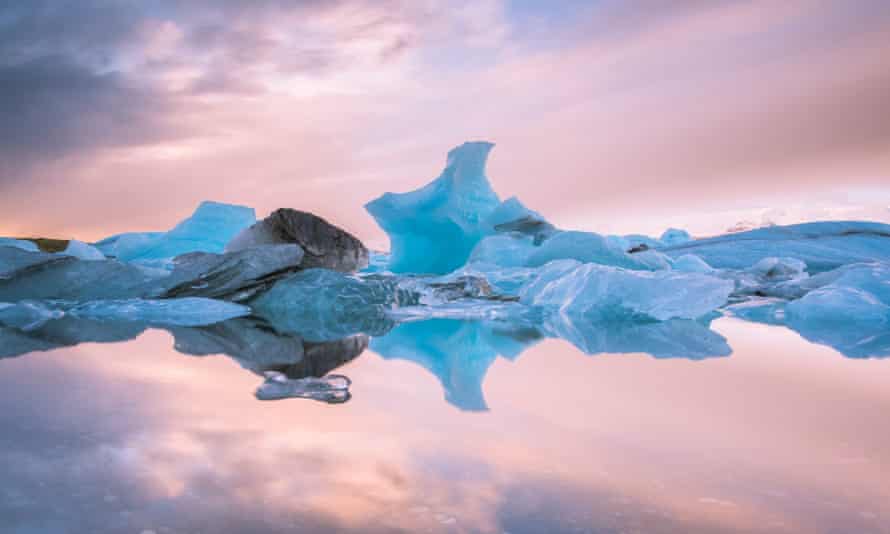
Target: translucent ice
[(607, 293), (38, 276), (209, 229), (18, 243), (589, 247), (674, 236), (434, 228), (859, 293), (329, 305), (822, 246), (189, 311), (690, 263), (83, 251)]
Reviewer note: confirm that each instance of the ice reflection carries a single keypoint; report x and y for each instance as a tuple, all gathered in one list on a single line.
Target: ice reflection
[(129, 437)]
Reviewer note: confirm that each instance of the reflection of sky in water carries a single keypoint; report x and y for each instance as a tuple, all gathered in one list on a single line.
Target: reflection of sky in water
[(783, 436)]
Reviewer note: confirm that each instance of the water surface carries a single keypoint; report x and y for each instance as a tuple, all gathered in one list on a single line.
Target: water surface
[(444, 435)]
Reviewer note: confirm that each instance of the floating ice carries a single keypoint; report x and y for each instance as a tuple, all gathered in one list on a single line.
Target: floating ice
[(690, 263), (607, 293), (209, 229), (83, 251), (589, 247), (189, 311), (434, 228), (674, 236), (19, 243), (40, 276), (329, 305), (858, 293), (822, 246)]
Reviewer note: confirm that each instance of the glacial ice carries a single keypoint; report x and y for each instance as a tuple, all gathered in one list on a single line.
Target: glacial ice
[(589, 247), (30, 246), (690, 263), (433, 229), (858, 293), (187, 311), (674, 236), (39, 276), (83, 251), (607, 293), (324, 305), (822, 246), (209, 229)]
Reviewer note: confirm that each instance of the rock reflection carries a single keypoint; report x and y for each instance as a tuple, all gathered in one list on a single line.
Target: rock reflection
[(251, 342)]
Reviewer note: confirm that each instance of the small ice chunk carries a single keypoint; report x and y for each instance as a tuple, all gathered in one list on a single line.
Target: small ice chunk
[(30, 246), (434, 228), (83, 251), (779, 268), (607, 293)]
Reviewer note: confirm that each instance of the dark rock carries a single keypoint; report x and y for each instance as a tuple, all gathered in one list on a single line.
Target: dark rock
[(326, 246)]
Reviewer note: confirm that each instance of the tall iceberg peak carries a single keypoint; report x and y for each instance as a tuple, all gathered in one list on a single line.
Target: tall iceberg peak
[(433, 229)]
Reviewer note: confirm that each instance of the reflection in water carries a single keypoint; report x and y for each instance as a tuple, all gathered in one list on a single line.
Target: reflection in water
[(111, 438)]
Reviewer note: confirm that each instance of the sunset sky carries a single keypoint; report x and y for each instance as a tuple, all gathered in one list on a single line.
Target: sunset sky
[(612, 115)]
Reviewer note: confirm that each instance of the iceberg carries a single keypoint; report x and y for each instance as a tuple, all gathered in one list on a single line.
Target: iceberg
[(433, 229), (188, 311), (83, 251), (606, 293), (209, 229), (690, 263), (858, 293), (328, 305), (41, 276), (822, 246), (674, 236), (589, 247), (30, 246)]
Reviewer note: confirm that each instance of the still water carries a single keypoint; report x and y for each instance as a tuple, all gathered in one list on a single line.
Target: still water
[(442, 434)]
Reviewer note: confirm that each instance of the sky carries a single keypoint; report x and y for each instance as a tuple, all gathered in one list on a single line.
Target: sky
[(613, 116)]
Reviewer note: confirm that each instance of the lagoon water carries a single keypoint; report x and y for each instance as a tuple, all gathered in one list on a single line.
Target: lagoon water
[(134, 437)]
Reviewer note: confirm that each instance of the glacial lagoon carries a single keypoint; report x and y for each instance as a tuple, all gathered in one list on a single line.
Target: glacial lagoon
[(451, 427), (490, 373)]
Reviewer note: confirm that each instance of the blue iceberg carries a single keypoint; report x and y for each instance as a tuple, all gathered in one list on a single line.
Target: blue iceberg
[(19, 243), (209, 229), (434, 228), (822, 246), (606, 293)]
